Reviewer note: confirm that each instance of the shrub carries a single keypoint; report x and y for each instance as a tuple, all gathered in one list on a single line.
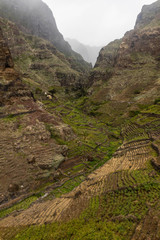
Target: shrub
[(136, 92), (134, 113), (38, 90), (52, 91), (157, 101)]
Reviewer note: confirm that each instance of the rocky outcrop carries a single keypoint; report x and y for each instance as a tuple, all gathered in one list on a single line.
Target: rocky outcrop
[(127, 70), (29, 154), (8, 77), (106, 61), (5, 57)]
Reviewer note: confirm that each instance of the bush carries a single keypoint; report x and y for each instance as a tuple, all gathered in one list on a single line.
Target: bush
[(157, 101), (133, 113), (38, 90), (52, 91), (136, 92)]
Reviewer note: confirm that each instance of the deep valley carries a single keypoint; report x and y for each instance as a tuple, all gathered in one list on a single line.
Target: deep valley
[(79, 146)]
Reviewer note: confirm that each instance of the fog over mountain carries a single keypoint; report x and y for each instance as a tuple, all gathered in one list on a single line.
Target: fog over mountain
[(95, 22), (89, 53)]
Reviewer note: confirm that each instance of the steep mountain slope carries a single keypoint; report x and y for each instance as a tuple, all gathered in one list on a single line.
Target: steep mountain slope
[(89, 53), (40, 63), (120, 199), (149, 16), (34, 17), (28, 152), (127, 71)]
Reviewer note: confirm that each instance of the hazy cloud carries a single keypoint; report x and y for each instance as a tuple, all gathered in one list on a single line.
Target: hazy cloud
[(95, 22)]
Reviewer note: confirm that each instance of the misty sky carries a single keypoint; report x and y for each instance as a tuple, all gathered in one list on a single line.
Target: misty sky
[(95, 22)]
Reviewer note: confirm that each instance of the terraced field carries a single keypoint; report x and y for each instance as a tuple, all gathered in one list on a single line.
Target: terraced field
[(124, 191), (127, 187), (23, 159), (145, 228)]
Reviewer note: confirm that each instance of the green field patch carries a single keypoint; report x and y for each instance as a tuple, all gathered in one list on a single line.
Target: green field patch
[(111, 216), (68, 186), (18, 206)]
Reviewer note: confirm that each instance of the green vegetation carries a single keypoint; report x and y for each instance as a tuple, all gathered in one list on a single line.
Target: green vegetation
[(67, 186), (10, 118), (113, 215), (92, 137), (54, 134), (52, 91), (157, 101), (19, 206), (133, 113)]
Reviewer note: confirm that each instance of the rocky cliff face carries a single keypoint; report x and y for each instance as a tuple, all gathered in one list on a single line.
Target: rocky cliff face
[(127, 71), (35, 18), (5, 60), (149, 16), (28, 151), (40, 63)]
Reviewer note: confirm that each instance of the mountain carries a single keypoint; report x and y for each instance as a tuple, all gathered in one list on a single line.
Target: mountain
[(39, 51), (28, 152), (126, 74), (89, 53), (41, 65), (34, 17), (149, 16), (80, 162)]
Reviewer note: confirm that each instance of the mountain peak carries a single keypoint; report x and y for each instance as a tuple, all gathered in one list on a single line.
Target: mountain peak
[(149, 16)]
